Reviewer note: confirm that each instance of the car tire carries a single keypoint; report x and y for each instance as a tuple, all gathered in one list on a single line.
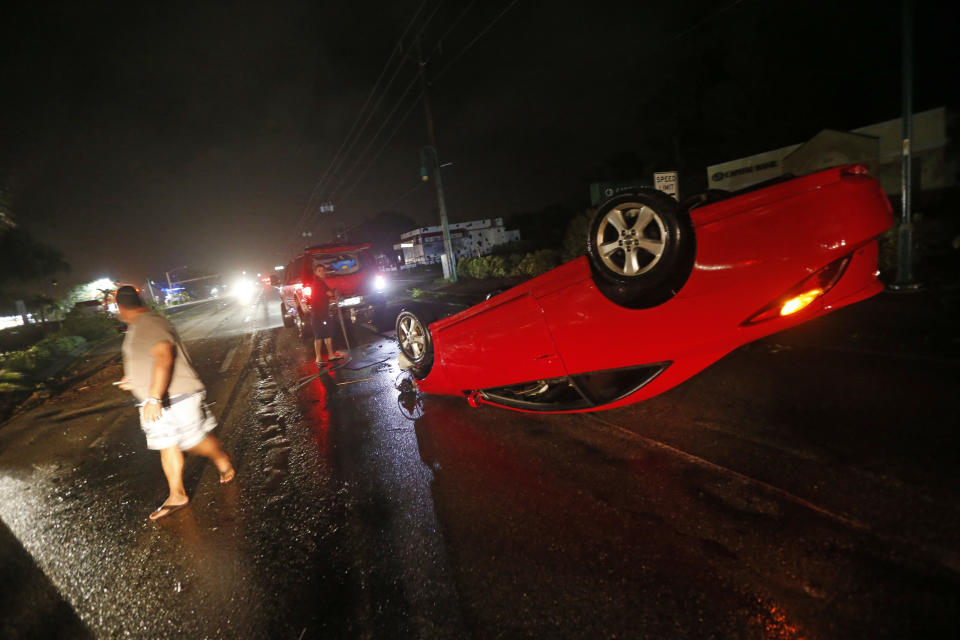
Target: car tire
[(304, 327), (416, 345), (641, 247), (288, 321)]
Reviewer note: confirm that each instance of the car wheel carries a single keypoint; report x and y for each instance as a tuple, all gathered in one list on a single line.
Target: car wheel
[(288, 321), (304, 327), (413, 336), (641, 247)]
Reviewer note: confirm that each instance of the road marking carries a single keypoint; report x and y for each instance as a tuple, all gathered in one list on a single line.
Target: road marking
[(782, 493), (226, 361), (933, 553), (884, 354)]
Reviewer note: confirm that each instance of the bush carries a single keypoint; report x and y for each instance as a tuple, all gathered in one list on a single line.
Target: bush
[(496, 267), (40, 355), (95, 327), (463, 267), (513, 265), (575, 238), (538, 262), (10, 381)]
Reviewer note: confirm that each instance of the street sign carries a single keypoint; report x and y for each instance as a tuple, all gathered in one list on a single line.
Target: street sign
[(668, 182)]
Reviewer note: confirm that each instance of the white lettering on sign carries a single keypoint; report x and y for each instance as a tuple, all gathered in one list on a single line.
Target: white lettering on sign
[(668, 182)]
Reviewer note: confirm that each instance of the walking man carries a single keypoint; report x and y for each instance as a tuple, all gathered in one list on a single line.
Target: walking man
[(157, 370)]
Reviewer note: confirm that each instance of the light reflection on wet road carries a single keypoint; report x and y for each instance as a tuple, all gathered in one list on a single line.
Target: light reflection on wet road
[(348, 519)]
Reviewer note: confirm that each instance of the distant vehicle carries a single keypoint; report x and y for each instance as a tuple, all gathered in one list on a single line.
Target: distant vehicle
[(351, 271), (665, 290)]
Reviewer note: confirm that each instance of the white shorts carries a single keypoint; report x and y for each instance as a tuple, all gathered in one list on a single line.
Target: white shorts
[(183, 424)]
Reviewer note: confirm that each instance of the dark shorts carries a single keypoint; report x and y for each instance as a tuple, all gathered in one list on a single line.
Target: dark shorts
[(322, 326)]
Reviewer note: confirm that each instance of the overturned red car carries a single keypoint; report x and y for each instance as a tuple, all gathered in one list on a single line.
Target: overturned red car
[(665, 290)]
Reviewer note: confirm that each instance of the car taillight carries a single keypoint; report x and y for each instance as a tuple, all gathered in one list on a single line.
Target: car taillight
[(307, 292), (803, 294), (855, 170)]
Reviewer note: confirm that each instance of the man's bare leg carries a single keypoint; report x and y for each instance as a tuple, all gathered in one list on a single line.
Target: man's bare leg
[(171, 459), (318, 347), (210, 448)]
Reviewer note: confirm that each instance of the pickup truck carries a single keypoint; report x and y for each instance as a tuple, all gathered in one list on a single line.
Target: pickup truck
[(352, 273)]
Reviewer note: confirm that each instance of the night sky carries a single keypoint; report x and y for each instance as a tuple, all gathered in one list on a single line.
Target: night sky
[(139, 137)]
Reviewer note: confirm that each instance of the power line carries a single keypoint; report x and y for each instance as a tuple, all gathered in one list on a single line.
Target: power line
[(446, 67), (317, 190), (453, 25), (415, 188), (396, 49), (386, 142), (474, 41), (707, 19), (374, 110)]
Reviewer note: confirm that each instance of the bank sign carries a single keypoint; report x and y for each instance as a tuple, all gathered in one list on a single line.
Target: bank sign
[(602, 191), (738, 174)]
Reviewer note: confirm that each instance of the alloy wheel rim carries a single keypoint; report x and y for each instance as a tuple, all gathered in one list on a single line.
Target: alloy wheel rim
[(631, 239), (412, 338)]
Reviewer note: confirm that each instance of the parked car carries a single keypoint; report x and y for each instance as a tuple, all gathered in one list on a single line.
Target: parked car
[(665, 290), (351, 271)]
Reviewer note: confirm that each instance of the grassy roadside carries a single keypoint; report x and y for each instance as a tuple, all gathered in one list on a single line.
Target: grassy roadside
[(29, 376)]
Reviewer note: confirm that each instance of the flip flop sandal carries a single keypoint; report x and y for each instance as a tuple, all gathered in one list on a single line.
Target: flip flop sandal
[(167, 510)]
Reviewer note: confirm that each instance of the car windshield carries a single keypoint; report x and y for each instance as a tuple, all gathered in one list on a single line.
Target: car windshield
[(338, 264)]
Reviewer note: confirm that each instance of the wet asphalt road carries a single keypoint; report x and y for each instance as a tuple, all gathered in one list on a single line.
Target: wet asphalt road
[(804, 487)]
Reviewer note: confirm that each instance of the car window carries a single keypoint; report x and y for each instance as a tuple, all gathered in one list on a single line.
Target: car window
[(339, 264)]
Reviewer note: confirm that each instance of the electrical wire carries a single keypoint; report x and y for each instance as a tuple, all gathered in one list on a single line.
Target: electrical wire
[(707, 19), (317, 190), (386, 142), (437, 47), (343, 177), (443, 70), (482, 33)]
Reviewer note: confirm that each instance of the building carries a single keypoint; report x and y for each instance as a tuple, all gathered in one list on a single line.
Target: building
[(879, 146), (474, 238)]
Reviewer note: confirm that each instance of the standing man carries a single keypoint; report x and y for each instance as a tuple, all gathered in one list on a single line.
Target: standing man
[(321, 320), (157, 370)]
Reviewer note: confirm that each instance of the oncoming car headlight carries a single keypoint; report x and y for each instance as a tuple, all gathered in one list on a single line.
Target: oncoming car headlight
[(243, 290), (379, 282)]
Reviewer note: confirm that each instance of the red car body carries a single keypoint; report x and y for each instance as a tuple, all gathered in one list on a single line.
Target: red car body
[(751, 251)]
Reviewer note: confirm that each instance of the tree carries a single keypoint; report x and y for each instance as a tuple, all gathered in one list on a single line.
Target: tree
[(23, 257)]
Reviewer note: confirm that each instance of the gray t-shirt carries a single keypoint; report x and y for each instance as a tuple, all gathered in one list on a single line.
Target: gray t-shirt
[(142, 334)]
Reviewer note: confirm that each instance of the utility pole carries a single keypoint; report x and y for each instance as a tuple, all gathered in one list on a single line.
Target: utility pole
[(441, 202), (905, 281)]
